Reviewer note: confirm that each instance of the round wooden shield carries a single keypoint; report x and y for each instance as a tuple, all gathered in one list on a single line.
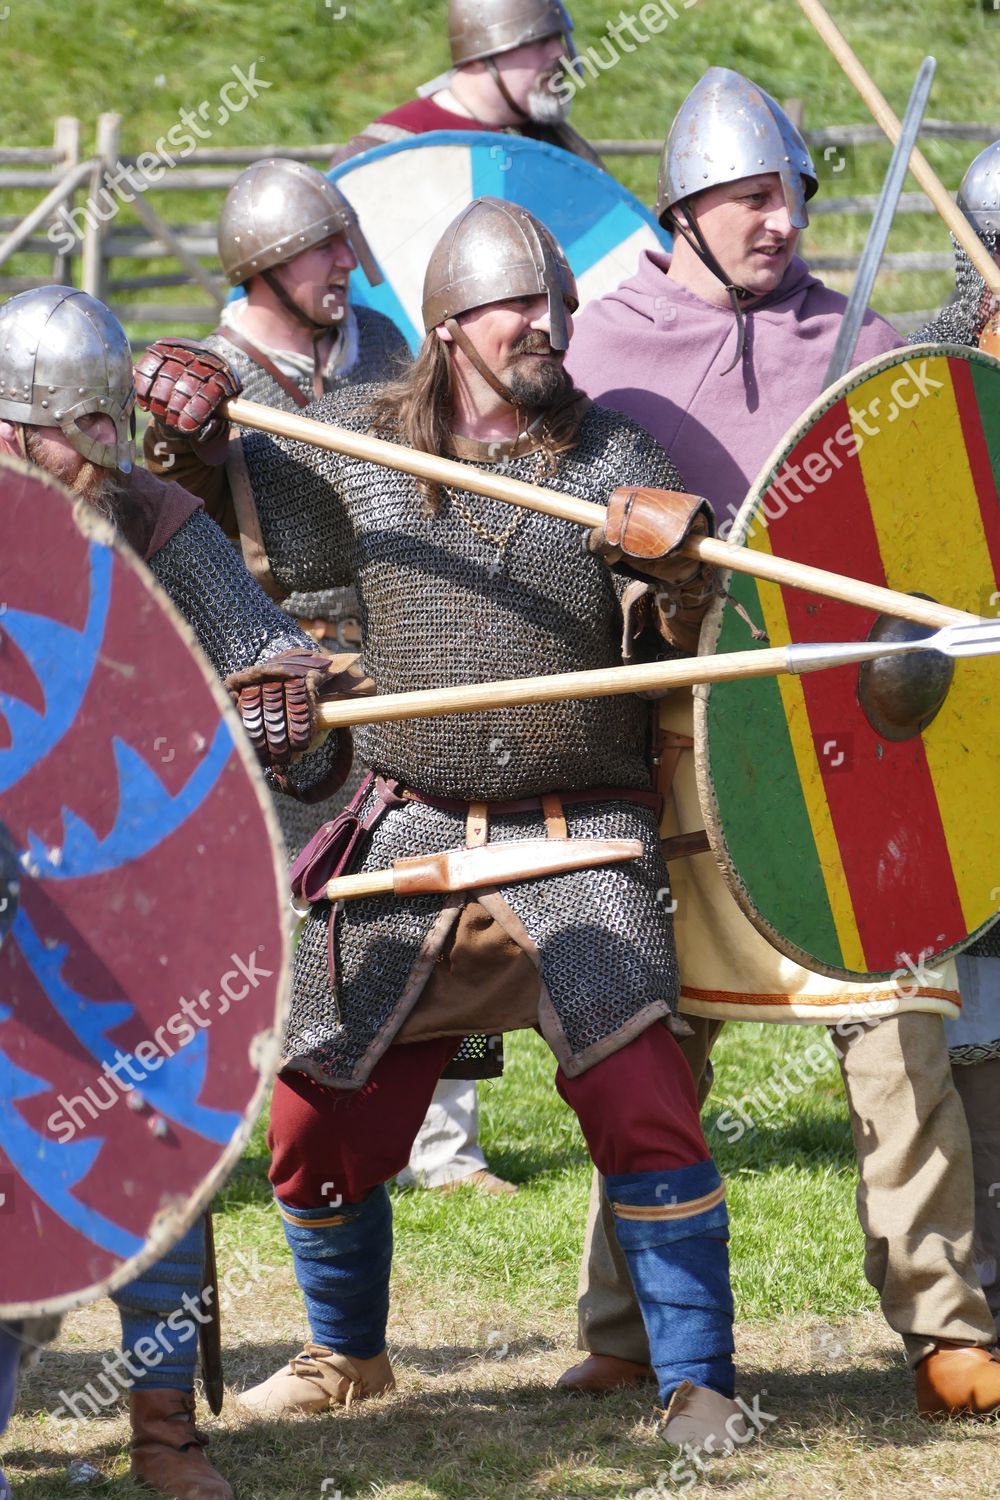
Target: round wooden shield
[(144, 963), (857, 852), (407, 193)]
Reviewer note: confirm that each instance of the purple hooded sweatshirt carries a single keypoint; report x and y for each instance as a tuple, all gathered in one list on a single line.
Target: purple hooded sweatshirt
[(655, 351)]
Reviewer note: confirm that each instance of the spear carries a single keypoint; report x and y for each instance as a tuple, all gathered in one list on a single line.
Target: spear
[(476, 481), (979, 638)]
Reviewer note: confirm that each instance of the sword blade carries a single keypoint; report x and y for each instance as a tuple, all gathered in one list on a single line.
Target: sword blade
[(842, 357)]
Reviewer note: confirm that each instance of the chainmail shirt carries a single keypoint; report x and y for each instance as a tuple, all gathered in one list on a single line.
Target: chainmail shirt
[(381, 352), (961, 319), (237, 625), (440, 605)]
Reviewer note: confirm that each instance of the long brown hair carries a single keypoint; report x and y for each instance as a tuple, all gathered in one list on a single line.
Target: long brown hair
[(416, 409)]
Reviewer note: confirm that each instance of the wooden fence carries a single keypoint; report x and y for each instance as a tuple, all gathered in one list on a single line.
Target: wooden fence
[(76, 187)]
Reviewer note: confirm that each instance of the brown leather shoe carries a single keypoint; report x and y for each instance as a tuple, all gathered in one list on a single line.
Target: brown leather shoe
[(483, 1181), (318, 1379), (167, 1449), (958, 1381), (600, 1373)]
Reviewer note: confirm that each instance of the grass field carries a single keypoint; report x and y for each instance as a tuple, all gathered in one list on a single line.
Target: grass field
[(483, 1321), (330, 73)]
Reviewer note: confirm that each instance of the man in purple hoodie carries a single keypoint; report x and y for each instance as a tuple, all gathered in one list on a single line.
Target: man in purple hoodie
[(718, 349)]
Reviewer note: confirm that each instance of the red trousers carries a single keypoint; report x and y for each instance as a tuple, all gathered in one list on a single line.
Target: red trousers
[(637, 1110)]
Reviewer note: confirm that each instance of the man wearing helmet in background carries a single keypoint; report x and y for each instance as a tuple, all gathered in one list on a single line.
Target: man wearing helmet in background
[(67, 401), (290, 238), (456, 588), (974, 1039), (507, 58), (718, 349)]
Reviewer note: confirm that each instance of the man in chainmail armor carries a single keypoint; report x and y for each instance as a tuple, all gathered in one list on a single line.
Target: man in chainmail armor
[(974, 1039), (290, 239), (452, 589), (66, 403)]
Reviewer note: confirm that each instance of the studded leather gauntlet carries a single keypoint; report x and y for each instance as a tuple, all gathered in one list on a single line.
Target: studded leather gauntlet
[(277, 699), (183, 385)]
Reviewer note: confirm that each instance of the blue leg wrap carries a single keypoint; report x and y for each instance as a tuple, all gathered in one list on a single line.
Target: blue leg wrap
[(10, 1356), (160, 1329), (680, 1269), (343, 1270)]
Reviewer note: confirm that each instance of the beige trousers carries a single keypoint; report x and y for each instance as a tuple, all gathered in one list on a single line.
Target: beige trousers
[(978, 1086), (915, 1197)]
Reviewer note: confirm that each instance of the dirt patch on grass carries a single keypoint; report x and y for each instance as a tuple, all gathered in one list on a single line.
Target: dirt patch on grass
[(476, 1416)]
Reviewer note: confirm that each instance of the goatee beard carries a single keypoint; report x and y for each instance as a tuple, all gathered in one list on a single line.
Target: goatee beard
[(538, 385), (545, 107)]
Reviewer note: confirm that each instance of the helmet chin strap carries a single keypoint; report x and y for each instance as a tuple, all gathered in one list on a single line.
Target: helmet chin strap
[(316, 330), (688, 226), (475, 359), (505, 94)]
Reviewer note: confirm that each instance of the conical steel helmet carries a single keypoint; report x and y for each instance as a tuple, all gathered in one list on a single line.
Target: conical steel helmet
[(278, 208), (728, 128), (495, 250), (64, 355), (484, 28), (979, 195)]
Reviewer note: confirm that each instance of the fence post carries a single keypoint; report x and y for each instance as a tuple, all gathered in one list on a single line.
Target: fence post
[(94, 274), (67, 142)]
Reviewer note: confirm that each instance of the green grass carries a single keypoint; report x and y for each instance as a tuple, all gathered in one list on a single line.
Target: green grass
[(329, 78), (483, 1320)]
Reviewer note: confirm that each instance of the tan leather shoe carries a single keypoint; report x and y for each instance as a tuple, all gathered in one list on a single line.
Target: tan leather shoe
[(600, 1373), (483, 1181), (319, 1378), (958, 1381), (704, 1419), (168, 1452)]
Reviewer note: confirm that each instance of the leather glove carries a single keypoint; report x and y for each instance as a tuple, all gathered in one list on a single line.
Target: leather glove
[(641, 534), (183, 385), (277, 699)]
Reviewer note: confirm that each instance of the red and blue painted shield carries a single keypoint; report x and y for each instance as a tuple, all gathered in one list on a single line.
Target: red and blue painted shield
[(859, 828), (143, 966)]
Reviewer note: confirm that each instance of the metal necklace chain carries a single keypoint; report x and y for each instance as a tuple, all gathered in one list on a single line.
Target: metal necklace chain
[(499, 541)]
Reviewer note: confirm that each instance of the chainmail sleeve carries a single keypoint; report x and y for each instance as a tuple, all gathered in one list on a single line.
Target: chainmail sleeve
[(964, 315), (237, 625)]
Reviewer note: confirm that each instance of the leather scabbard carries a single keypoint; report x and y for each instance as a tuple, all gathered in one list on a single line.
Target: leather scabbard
[(210, 1332)]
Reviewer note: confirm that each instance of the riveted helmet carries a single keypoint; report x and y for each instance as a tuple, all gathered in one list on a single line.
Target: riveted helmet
[(726, 129), (278, 208), (63, 356), (979, 195), (492, 251), (478, 29)]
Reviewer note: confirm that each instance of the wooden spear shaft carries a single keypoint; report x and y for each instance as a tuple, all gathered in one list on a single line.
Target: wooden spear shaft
[(919, 165), (603, 682), (494, 486)]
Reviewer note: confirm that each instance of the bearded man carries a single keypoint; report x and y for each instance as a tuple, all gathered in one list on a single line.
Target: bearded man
[(455, 588), (508, 57), (67, 401), (718, 349)]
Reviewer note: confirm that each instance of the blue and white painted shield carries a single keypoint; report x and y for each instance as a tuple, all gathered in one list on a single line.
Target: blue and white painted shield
[(407, 193)]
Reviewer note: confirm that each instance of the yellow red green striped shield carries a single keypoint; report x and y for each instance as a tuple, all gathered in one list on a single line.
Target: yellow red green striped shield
[(856, 855)]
